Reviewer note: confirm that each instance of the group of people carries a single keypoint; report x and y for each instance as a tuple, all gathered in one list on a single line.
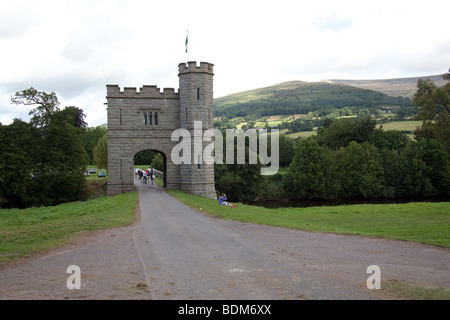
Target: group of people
[(144, 175)]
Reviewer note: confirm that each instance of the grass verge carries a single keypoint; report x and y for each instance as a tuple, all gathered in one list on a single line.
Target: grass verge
[(424, 222), (407, 291), (28, 231)]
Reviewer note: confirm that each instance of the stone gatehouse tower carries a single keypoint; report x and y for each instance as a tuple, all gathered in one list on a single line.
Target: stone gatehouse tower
[(145, 119)]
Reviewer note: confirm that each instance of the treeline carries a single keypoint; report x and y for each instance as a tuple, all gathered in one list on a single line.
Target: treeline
[(382, 164), (347, 159), (43, 161)]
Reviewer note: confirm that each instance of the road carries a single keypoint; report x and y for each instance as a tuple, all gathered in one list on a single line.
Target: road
[(174, 252)]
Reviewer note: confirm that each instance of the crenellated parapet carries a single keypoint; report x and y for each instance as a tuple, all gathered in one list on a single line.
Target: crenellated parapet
[(146, 91), (191, 66)]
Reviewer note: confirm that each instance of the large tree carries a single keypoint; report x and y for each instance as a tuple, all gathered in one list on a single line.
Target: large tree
[(43, 162), (19, 145), (45, 104), (309, 171), (433, 104)]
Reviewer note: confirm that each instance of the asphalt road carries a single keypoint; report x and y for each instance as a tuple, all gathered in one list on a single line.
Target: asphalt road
[(174, 252)]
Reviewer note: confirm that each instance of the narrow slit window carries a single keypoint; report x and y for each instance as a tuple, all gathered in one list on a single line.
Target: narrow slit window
[(198, 93), (150, 118), (120, 117), (156, 118), (199, 165), (144, 118)]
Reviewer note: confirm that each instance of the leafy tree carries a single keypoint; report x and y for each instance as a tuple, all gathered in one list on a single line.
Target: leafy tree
[(158, 162), (309, 172), (361, 174), (91, 137), (145, 157), (389, 139), (19, 143), (341, 132), (101, 153), (238, 181), (63, 160), (433, 104), (51, 149), (46, 104), (425, 169)]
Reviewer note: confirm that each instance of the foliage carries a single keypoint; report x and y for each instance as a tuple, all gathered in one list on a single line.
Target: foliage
[(433, 104), (340, 133), (144, 157), (309, 171), (101, 153), (91, 137), (42, 162), (47, 104), (158, 162), (238, 181)]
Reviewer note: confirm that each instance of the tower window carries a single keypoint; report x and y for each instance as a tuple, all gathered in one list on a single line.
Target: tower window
[(144, 118), (198, 93), (150, 118), (156, 118)]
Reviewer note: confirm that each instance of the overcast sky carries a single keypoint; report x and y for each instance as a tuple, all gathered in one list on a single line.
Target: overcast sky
[(76, 48)]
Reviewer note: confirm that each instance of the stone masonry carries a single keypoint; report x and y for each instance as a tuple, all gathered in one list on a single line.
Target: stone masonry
[(145, 119)]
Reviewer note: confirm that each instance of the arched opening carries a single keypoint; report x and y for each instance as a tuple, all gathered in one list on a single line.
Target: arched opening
[(152, 159)]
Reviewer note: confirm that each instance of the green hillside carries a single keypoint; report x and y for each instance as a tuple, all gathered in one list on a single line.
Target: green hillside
[(298, 97)]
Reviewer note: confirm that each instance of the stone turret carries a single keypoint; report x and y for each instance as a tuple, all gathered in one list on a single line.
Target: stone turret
[(196, 107)]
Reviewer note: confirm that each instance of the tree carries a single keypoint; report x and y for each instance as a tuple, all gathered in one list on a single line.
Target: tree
[(433, 104), (46, 104), (158, 162), (341, 132), (238, 181), (361, 174), (309, 172), (55, 156), (19, 144), (91, 137), (63, 160), (101, 153), (425, 169)]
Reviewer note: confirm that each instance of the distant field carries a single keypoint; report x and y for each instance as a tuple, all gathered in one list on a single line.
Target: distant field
[(401, 125)]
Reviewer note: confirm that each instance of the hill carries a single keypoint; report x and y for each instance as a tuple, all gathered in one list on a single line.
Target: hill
[(299, 97), (399, 87)]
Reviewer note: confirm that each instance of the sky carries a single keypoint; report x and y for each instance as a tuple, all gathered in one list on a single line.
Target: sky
[(76, 48)]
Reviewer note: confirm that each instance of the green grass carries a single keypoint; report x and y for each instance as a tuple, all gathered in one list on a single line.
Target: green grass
[(401, 125), (423, 222), (27, 231)]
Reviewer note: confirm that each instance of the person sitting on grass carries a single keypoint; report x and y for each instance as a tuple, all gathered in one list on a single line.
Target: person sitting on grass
[(222, 201)]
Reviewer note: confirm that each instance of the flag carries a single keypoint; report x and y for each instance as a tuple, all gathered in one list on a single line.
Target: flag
[(186, 50)]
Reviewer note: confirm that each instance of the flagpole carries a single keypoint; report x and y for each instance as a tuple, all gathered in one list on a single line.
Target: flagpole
[(186, 46)]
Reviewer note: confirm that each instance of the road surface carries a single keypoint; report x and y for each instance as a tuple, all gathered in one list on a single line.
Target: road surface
[(174, 252)]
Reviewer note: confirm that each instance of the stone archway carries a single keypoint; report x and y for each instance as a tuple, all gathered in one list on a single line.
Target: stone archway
[(146, 118), (164, 167)]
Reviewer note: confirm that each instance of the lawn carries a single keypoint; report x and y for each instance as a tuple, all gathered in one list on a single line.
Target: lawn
[(26, 231), (424, 222)]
